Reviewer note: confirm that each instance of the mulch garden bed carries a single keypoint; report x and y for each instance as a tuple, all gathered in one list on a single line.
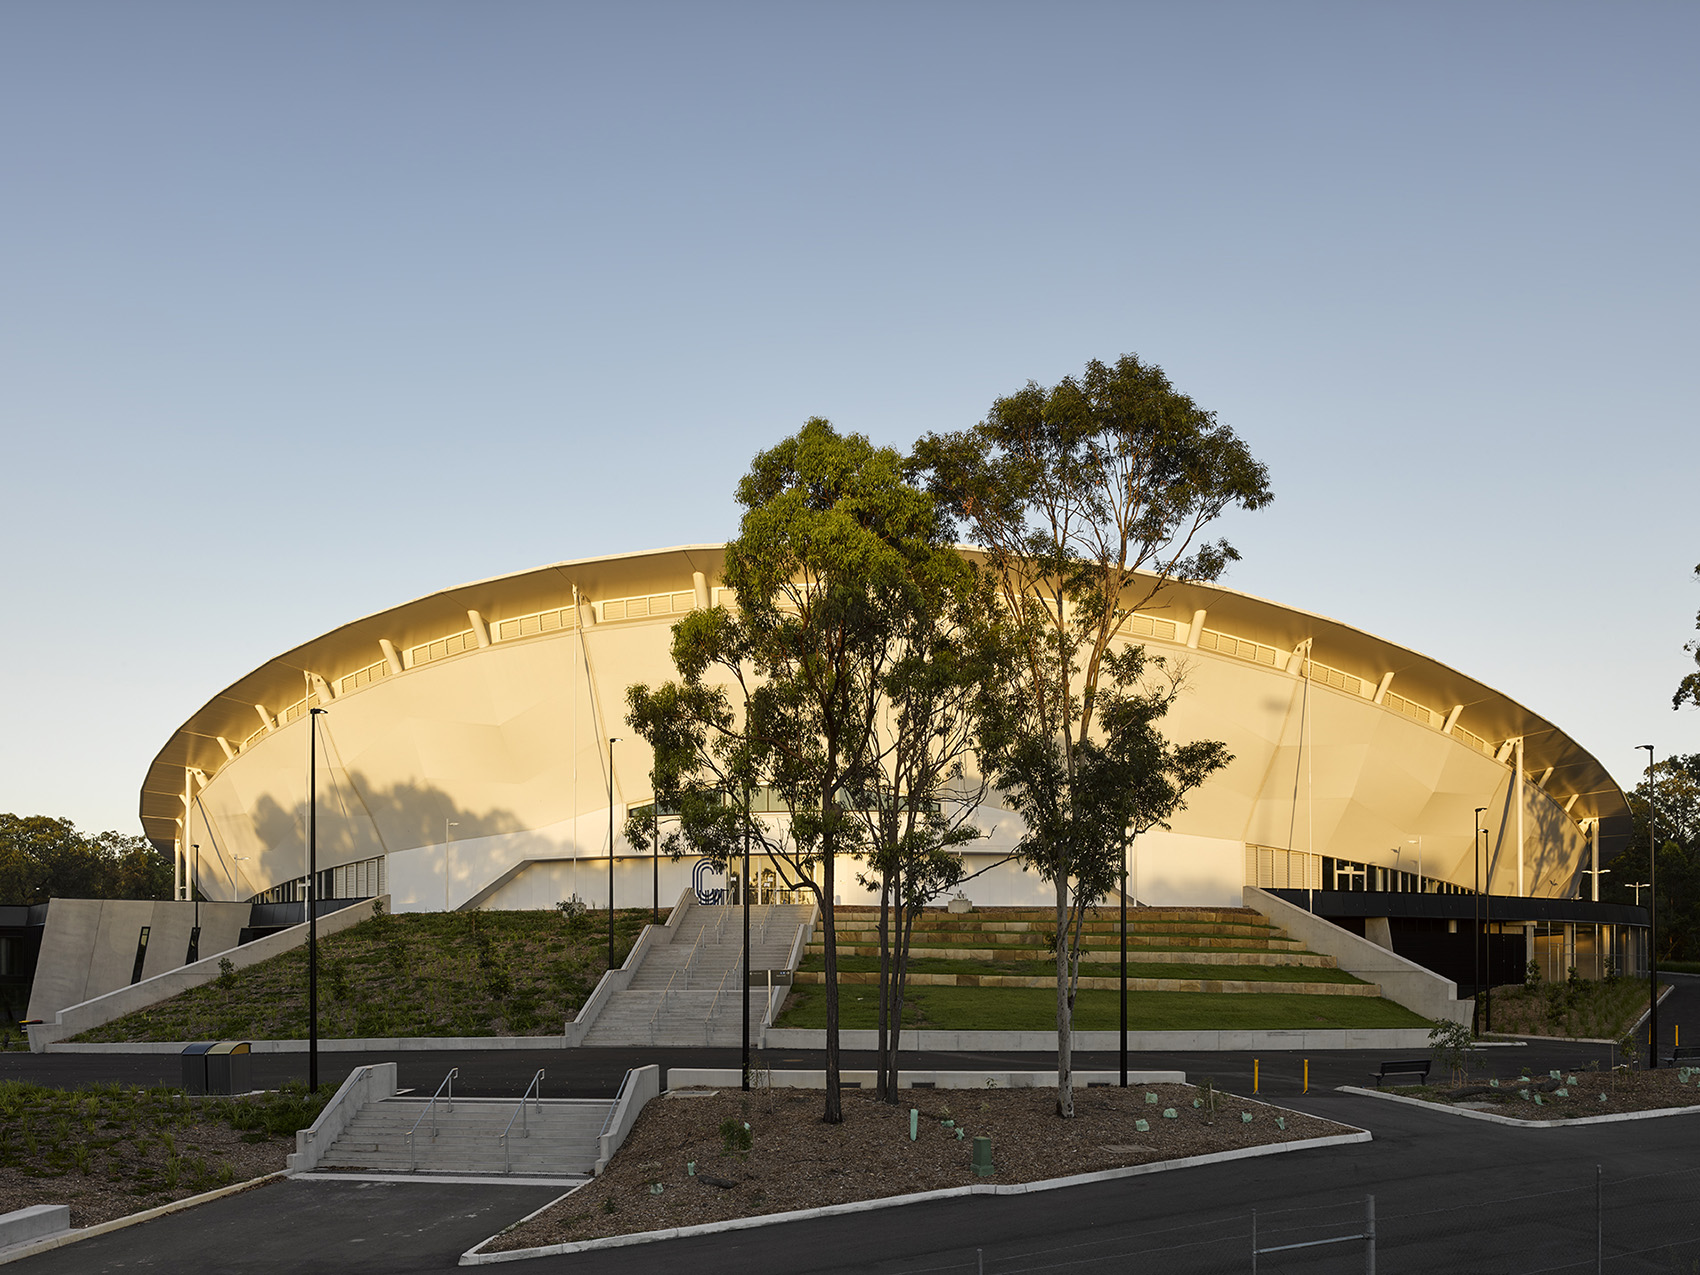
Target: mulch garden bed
[(1569, 1095), (112, 1151), (794, 1161)]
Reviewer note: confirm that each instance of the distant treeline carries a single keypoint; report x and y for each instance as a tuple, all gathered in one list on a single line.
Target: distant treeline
[(44, 858), (1677, 829)]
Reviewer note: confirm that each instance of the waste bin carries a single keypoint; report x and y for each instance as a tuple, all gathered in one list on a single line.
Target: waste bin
[(195, 1066), (229, 1067)]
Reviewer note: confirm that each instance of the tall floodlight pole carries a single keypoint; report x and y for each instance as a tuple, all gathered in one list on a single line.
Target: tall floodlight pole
[(655, 859), (744, 898), (313, 898), (611, 742), (1476, 903), (1124, 957), (1652, 919)]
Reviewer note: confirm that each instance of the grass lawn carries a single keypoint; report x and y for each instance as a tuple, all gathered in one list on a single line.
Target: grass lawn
[(1046, 969), (418, 974), (1600, 1010), (1035, 1009)]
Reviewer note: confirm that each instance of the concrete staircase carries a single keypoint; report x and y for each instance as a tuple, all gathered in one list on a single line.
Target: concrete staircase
[(558, 1138), (685, 991)]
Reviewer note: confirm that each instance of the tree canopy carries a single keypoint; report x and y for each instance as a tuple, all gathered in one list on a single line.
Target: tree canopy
[(45, 858), (1677, 806), (836, 556), (1688, 690)]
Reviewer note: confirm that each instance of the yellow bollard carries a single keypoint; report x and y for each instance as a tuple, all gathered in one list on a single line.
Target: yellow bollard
[(1254, 1075), (1307, 1076)]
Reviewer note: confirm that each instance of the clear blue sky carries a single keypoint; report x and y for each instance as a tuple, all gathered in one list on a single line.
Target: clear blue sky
[(307, 309)]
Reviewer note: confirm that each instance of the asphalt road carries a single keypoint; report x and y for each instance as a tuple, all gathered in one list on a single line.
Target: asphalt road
[(593, 1073)]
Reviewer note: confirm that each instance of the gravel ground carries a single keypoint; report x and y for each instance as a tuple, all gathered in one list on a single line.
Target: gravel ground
[(795, 1161), (1570, 1094)]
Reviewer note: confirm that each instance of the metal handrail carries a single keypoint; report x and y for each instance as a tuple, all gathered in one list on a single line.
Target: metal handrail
[(666, 998), (691, 960), (524, 1132), (615, 1105), (431, 1110), (736, 968)]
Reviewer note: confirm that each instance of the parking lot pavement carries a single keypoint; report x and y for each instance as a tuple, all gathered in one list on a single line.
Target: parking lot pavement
[(361, 1228)]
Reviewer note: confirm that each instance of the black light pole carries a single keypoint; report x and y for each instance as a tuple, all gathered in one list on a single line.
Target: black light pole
[(1487, 935), (744, 898), (1652, 920), (611, 742), (313, 899), (1124, 957), (655, 860), (195, 893), (1476, 904)]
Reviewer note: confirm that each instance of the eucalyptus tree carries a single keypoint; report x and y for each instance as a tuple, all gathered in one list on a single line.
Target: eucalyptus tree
[(786, 692), (918, 785), (1688, 690), (1088, 499)]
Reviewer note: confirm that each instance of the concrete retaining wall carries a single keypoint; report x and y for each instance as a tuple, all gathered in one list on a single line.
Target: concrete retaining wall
[(150, 991), (364, 1086), (1095, 1041), (731, 1078), (642, 1084), (88, 946), (1402, 982), (23, 1225)]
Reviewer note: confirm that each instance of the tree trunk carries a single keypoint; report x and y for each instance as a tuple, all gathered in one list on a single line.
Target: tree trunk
[(834, 1099), (886, 1085), (900, 980), (1065, 1009)]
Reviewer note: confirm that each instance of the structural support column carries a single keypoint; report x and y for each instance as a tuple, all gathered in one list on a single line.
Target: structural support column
[(1517, 802), (1594, 854)]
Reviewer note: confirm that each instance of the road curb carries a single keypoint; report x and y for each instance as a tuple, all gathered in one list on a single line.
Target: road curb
[(135, 1219), (1616, 1117), (473, 1257)]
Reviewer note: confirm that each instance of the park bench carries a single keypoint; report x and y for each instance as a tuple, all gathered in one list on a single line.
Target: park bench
[(1403, 1067), (1683, 1054)]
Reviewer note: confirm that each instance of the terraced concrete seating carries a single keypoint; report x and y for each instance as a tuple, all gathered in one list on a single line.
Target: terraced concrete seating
[(1226, 937), (685, 992), (560, 1137)]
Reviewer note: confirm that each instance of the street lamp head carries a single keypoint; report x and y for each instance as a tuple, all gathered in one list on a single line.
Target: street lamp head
[(316, 711)]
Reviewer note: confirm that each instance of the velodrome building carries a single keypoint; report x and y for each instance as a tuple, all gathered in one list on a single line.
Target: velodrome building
[(465, 762)]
